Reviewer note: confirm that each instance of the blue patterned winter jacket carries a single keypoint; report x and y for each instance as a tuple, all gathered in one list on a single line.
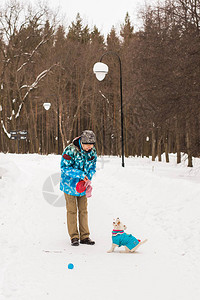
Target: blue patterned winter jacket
[(75, 165)]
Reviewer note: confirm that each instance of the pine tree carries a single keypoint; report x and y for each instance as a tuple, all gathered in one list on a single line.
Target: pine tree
[(96, 36), (77, 32), (127, 30), (113, 41)]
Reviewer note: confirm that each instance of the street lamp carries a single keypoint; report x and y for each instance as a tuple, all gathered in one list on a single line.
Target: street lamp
[(100, 70), (46, 106), (58, 132)]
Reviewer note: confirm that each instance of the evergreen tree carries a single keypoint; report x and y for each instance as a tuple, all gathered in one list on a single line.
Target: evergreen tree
[(96, 36), (126, 31), (77, 32), (113, 41)]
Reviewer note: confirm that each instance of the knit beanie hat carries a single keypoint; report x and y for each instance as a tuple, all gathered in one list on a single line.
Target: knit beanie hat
[(88, 137)]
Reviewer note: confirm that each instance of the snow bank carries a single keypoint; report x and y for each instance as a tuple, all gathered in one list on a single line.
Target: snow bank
[(157, 201)]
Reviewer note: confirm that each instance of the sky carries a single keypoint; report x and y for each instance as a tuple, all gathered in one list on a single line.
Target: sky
[(104, 14)]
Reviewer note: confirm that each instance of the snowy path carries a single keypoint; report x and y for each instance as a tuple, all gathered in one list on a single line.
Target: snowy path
[(155, 200)]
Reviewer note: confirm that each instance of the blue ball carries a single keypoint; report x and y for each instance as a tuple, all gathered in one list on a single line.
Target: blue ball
[(70, 266)]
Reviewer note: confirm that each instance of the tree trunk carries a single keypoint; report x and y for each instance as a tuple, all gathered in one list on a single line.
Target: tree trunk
[(153, 145), (166, 149), (188, 143), (178, 146), (159, 149)]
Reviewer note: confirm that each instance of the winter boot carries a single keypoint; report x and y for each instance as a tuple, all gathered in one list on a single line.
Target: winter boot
[(87, 241), (75, 242)]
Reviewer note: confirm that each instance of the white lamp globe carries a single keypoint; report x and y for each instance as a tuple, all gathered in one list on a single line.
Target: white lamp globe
[(47, 105), (100, 70)]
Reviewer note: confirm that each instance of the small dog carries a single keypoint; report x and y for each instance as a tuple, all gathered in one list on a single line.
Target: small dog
[(120, 238)]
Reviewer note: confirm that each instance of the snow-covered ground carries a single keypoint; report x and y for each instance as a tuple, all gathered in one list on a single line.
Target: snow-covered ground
[(157, 201)]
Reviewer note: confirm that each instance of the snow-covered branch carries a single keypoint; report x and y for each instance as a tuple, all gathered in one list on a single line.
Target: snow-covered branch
[(4, 129), (104, 96), (33, 86), (43, 41)]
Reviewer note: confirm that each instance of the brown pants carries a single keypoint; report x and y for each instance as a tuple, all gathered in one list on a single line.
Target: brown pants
[(72, 203)]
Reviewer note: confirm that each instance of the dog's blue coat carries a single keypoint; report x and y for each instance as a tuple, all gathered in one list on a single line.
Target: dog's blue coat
[(124, 239)]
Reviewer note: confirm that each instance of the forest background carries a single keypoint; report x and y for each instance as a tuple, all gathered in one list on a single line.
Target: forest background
[(42, 60)]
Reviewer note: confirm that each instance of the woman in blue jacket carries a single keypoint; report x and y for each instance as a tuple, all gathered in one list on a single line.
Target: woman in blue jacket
[(78, 163)]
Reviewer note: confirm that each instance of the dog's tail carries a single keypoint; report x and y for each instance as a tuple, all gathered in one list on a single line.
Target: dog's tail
[(142, 242)]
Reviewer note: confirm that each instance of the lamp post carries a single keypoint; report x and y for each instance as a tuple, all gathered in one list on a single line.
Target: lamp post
[(58, 132), (46, 106), (100, 69)]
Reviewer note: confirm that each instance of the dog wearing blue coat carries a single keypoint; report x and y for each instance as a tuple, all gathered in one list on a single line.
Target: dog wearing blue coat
[(120, 238)]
